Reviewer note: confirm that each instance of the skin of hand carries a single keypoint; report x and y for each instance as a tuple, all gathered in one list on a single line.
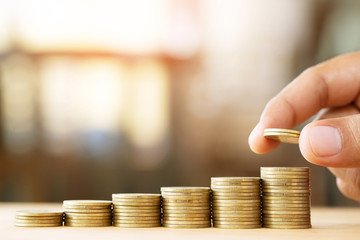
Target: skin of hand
[(333, 139)]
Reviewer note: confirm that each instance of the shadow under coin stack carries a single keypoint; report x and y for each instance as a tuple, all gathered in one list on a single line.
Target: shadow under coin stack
[(38, 218), (236, 202), (286, 197), (186, 207), (87, 213), (137, 210)]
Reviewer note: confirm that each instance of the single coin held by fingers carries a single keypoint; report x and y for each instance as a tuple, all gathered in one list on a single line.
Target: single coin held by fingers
[(282, 135)]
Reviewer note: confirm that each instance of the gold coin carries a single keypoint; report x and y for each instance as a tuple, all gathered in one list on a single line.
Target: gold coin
[(283, 188), (36, 213), (237, 212), (38, 217), (86, 211), (237, 226), (139, 221), (235, 179), (137, 207), (87, 202), (239, 192), (236, 187), (139, 218), (186, 204), (238, 219), (305, 198), (282, 136), (184, 189), (136, 211), (279, 226), (136, 195), (88, 214), (186, 200), (87, 218), (270, 219), (87, 224), (132, 214), (137, 201), (234, 215), (143, 204), (288, 223), (286, 212), (38, 220), (286, 194), (187, 218), (190, 222), (166, 214), (241, 208), (207, 207), (287, 191), (38, 224), (236, 202), (286, 206), (285, 169), (88, 221), (268, 176), (187, 225), (144, 225), (303, 216), (187, 211)]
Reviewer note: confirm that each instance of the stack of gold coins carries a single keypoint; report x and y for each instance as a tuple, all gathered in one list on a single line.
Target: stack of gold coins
[(286, 197), (87, 213), (38, 218), (186, 207), (236, 202), (137, 210)]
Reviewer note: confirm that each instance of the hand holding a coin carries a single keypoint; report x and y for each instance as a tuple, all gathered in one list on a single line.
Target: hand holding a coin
[(333, 139)]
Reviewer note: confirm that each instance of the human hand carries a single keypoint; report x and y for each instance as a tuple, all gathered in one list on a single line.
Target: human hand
[(333, 140)]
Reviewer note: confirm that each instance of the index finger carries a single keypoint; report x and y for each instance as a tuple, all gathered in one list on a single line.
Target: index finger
[(333, 83)]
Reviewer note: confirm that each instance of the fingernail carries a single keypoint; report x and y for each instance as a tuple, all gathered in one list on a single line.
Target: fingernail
[(325, 141)]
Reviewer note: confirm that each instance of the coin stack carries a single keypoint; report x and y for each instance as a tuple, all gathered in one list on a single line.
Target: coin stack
[(38, 218), (137, 210), (236, 202), (186, 207), (87, 213), (286, 197)]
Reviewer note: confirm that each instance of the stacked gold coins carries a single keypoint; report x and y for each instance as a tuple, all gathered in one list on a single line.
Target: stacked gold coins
[(186, 207), (38, 218), (87, 213), (140, 210), (236, 202), (286, 197)]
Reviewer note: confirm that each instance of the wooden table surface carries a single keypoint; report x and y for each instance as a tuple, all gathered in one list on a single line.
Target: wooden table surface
[(328, 223)]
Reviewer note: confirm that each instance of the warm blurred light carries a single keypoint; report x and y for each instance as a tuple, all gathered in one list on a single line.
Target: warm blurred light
[(18, 103), (80, 96), (104, 25), (5, 24), (148, 111)]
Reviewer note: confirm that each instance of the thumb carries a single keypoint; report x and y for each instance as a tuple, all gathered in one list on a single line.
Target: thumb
[(333, 142)]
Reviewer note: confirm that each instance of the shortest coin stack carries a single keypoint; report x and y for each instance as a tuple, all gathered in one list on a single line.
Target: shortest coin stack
[(38, 218), (137, 210), (186, 207), (87, 213), (286, 197)]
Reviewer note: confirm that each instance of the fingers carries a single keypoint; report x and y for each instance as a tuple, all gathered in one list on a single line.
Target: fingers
[(332, 142), (348, 190), (348, 181), (330, 84)]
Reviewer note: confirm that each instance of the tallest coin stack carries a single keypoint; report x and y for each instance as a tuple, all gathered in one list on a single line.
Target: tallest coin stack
[(286, 197)]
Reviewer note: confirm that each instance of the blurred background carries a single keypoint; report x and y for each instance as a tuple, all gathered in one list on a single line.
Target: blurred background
[(107, 96)]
